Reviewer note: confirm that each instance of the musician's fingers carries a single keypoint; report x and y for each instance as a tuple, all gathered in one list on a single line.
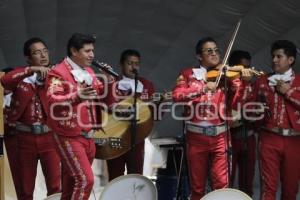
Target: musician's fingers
[(279, 82)]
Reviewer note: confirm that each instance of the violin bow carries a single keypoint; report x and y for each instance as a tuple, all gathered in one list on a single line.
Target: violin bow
[(228, 50)]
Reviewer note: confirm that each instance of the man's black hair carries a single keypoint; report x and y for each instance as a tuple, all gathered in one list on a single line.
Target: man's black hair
[(288, 47), (129, 52), (201, 42), (28, 43), (77, 41), (7, 69), (236, 57)]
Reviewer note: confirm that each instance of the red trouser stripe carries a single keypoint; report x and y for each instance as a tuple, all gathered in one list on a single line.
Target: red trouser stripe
[(71, 161)]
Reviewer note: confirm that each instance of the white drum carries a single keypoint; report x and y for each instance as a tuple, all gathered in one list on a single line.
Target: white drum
[(129, 187), (55, 196), (226, 194)]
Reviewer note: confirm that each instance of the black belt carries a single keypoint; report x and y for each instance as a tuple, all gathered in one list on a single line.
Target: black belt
[(239, 134), (282, 131), (35, 129), (206, 130)]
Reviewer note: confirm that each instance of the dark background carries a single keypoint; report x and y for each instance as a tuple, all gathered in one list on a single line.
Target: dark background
[(164, 31)]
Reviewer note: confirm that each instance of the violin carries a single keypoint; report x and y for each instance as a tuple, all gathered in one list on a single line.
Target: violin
[(231, 72)]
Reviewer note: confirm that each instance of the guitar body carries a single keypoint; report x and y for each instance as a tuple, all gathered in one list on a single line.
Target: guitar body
[(115, 138), (111, 140), (144, 119)]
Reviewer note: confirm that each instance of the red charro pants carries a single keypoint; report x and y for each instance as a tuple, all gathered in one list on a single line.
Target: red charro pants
[(201, 150), (279, 158), (77, 154), (243, 158), (116, 166), (11, 145), (32, 148)]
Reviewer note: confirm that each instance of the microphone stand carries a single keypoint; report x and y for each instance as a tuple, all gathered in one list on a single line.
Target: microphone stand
[(183, 169), (133, 127), (228, 141), (244, 167)]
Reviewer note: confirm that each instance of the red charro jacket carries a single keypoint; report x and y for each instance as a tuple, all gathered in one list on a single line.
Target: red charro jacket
[(206, 106), (69, 116), (283, 111), (29, 100)]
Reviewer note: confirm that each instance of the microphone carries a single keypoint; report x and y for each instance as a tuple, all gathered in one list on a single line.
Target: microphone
[(105, 67), (135, 71)]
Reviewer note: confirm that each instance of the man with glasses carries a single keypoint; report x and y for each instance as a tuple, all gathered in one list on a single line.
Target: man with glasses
[(206, 130), (27, 117)]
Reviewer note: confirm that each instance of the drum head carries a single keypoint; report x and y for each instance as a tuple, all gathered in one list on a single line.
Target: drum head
[(129, 187), (226, 194), (54, 197)]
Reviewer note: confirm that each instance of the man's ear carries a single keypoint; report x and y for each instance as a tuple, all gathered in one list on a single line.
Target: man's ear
[(291, 60), (122, 66), (28, 60), (198, 57), (73, 51)]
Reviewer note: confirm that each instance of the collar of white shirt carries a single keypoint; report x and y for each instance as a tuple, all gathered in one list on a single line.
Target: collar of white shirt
[(33, 79), (286, 77), (200, 73), (127, 84), (80, 75)]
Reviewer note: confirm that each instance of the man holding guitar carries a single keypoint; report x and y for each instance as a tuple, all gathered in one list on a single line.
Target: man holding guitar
[(133, 159)]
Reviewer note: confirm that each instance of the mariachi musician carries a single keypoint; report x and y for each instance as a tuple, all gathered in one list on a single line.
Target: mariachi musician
[(243, 132), (75, 96), (206, 130), (30, 139), (279, 136), (133, 159)]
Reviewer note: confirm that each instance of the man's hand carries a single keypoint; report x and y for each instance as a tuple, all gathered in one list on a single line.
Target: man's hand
[(86, 93), (109, 77), (246, 74), (40, 70), (282, 87), (211, 86)]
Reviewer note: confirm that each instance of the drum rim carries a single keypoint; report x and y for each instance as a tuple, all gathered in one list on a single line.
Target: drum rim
[(227, 189), (128, 176)]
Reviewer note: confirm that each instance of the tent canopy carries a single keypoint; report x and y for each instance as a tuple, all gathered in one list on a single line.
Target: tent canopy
[(164, 31)]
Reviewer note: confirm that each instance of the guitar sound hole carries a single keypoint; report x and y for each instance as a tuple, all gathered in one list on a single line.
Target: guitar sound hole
[(123, 111)]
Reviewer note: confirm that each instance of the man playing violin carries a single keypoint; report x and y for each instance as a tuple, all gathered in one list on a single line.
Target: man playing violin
[(206, 130), (133, 159), (242, 133), (279, 137)]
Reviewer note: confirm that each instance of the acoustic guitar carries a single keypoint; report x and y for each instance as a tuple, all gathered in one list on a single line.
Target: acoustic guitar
[(115, 137)]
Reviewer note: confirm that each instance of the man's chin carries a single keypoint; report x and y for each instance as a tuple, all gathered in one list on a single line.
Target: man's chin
[(129, 76), (214, 64), (277, 69), (44, 64)]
